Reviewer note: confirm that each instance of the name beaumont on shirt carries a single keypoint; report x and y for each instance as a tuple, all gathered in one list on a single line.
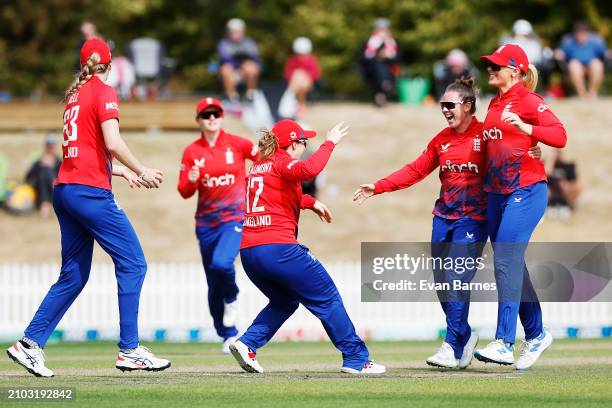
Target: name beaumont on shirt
[(260, 168)]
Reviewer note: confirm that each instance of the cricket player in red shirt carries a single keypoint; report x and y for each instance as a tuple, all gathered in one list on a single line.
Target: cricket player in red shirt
[(87, 210), (214, 166), (459, 224), (517, 119), (284, 270)]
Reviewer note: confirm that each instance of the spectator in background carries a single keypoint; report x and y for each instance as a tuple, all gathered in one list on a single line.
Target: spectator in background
[(379, 61), (122, 76), (563, 185), (147, 56), (88, 31), (42, 174), (584, 53), (455, 66), (302, 71), (524, 36), (239, 59)]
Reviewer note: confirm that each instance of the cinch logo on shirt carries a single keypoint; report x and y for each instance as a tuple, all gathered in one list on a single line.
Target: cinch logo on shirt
[(492, 134), (459, 167), (112, 106), (225, 180)]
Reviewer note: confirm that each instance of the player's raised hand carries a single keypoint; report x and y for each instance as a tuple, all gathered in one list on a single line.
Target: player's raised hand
[(194, 174), (336, 133), (323, 212), (152, 177), (364, 192), (515, 120)]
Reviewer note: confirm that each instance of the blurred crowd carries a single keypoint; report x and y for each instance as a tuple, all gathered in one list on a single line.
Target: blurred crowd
[(577, 66)]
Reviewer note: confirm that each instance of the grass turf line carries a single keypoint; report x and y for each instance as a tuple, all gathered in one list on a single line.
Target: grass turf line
[(571, 373)]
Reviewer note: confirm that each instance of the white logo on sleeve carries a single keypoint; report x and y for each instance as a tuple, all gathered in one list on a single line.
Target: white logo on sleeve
[(112, 106), (254, 151), (237, 229), (469, 236), (518, 199), (445, 147), (290, 165), (542, 107)]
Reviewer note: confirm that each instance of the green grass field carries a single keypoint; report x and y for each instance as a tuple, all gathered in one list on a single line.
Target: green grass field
[(571, 373)]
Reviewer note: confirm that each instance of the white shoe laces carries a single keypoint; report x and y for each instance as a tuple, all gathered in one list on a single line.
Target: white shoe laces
[(526, 346)]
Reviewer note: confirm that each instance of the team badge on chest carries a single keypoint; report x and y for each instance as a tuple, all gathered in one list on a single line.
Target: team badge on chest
[(476, 144), (229, 156)]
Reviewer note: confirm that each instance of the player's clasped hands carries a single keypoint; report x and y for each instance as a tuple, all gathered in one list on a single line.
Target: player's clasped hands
[(364, 192), (336, 133), (151, 178)]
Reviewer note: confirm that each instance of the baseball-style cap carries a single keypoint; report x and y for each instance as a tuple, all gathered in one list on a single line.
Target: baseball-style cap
[(95, 45), (206, 103), (509, 55), (288, 131)]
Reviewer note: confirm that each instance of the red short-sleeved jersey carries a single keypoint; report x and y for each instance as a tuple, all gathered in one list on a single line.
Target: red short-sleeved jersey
[(509, 165), (86, 160), (221, 185), (461, 158), (274, 196)]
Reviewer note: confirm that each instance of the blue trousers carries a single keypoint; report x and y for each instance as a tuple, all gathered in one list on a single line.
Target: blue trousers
[(512, 218), (470, 236), (86, 214), (289, 275), (219, 247)]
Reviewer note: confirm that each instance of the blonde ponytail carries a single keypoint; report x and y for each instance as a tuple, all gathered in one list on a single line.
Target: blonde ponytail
[(530, 79), (267, 144), (88, 70)]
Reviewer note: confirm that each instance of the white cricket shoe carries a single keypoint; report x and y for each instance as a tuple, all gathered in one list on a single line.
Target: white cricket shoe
[(445, 357), (468, 352), (531, 350), (225, 347), (32, 359), (496, 352), (140, 358), (370, 367), (230, 314), (245, 357)]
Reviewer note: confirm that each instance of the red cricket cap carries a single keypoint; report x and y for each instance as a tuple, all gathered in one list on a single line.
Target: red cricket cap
[(95, 45), (288, 131), (509, 55), (208, 102)]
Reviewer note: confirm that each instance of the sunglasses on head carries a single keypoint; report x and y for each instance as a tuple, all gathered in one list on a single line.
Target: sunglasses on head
[(207, 115), (302, 141)]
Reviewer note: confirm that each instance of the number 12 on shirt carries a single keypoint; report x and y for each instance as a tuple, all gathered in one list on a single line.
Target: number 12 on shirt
[(252, 184)]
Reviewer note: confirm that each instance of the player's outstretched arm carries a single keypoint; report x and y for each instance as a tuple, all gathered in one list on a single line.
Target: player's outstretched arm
[(116, 145)]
